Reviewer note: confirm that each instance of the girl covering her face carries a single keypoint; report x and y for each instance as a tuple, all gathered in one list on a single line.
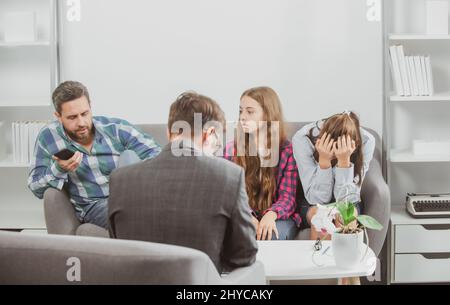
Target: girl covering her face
[(333, 156)]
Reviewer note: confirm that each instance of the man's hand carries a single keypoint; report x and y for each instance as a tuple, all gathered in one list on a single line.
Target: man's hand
[(267, 226), (70, 165), (324, 147), (343, 149)]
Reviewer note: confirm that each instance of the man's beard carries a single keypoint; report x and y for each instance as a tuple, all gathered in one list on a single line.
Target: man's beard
[(83, 138)]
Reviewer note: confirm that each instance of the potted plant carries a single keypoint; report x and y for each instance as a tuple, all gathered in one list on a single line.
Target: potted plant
[(347, 238)]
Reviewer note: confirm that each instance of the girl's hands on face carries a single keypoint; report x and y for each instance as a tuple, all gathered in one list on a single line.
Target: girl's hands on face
[(324, 147), (343, 148)]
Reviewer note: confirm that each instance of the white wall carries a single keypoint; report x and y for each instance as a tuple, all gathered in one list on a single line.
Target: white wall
[(136, 56)]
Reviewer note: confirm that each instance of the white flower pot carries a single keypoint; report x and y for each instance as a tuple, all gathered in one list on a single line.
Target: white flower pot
[(348, 249)]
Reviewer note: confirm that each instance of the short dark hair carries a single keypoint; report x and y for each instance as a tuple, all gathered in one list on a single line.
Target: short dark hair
[(190, 103), (68, 91)]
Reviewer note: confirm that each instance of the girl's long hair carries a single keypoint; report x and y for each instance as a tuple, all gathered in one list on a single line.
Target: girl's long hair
[(338, 125), (260, 181)]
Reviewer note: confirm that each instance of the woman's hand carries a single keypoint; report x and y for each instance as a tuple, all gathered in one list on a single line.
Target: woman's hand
[(343, 148), (267, 226), (255, 222), (324, 147)]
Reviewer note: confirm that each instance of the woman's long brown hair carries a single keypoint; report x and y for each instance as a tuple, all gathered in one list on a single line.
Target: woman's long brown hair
[(260, 181), (339, 125)]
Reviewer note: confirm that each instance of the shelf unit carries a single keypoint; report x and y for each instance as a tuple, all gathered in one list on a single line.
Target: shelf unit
[(409, 118), (28, 76), (9, 162), (41, 43), (419, 248), (407, 156), (24, 102), (417, 37), (437, 97)]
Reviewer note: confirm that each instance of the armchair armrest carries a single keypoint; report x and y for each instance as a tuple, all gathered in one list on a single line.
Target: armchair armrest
[(250, 275), (376, 197), (59, 213), (92, 230)]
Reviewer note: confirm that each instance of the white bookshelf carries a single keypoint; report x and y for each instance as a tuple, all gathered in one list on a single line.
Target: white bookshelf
[(437, 97), (31, 218), (417, 37), (8, 162), (28, 75), (407, 156), (41, 43), (25, 102), (410, 118), (19, 208)]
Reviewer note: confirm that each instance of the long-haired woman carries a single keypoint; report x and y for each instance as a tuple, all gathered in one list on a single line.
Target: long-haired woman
[(262, 150)]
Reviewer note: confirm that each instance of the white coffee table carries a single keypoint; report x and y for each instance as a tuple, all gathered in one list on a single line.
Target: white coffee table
[(292, 260)]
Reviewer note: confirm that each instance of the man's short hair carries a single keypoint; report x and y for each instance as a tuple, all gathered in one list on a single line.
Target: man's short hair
[(67, 92), (188, 104)]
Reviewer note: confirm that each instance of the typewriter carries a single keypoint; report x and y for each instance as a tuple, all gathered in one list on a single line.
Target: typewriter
[(428, 205)]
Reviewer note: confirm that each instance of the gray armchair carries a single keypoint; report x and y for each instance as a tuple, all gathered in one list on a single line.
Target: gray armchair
[(376, 197), (48, 259), (59, 212), (60, 216)]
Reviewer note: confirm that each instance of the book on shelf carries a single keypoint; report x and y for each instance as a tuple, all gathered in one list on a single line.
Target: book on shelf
[(24, 142), (395, 68), (412, 75), (23, 139), (403, 71), (418, 68), (424, 73), (429, 75)]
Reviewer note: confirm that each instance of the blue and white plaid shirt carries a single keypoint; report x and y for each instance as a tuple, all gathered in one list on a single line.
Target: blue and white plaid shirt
[(90, 182)]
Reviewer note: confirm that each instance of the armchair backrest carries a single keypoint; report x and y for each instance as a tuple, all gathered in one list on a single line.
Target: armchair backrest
[(52, 259), (159, 133)]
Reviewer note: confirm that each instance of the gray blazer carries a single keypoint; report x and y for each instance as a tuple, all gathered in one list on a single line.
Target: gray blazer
[(193, 201)]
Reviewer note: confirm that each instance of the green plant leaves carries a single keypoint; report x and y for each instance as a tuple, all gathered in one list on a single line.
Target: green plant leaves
[(347, 212), (347, 216), (369, 222)]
